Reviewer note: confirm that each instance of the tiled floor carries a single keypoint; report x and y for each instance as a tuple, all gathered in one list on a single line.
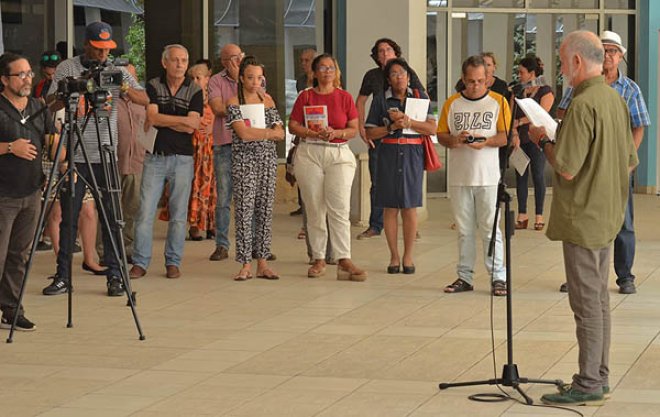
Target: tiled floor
[(319, 347)]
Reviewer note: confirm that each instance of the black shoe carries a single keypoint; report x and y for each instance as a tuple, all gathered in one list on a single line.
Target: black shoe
[(115, 287), (57, 287), (77, 248), (22, 324), (43, 246), (393, 269), (563, 287), (87, 268), (296, 212), (409, 269), (627, 286)]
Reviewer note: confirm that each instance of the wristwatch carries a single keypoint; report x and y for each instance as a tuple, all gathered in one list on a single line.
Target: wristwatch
[(544, 142)]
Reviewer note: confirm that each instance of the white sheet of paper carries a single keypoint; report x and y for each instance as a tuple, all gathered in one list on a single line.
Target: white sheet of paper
[(519, 160), (147, 139), (417, 109), (256, 113), (538, 116)]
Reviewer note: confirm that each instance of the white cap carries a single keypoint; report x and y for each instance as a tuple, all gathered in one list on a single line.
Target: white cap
[(612, 38)]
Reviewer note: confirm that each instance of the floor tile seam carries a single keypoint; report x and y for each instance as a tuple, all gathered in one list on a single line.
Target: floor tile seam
[(346, 395), (538, 316), (639, 358)]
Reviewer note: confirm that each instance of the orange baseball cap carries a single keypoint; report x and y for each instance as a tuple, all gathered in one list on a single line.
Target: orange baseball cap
[(99, 35)]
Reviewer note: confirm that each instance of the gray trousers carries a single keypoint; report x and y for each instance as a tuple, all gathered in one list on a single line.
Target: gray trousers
[(586, 274), (18, 219)]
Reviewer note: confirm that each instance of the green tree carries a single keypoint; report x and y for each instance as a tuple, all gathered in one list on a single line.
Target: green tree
[(136, 50)]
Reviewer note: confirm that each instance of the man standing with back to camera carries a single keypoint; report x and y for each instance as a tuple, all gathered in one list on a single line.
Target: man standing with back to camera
[(624, 243), (592, 160), (98, 43), (23, 134)]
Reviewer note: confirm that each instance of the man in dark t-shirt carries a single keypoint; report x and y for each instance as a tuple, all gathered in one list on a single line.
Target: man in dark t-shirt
[(175, 106), (24, 128)]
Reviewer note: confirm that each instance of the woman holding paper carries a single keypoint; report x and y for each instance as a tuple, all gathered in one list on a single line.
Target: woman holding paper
[(399, 118), (256, 125), (530, 68), (326, 118)]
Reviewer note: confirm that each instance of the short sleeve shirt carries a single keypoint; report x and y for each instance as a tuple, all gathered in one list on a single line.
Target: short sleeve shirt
[(189, 98), (588, 210), (483, 117), (340, 104), (632, 95), (20, 177), (378, 113), (223, 86)]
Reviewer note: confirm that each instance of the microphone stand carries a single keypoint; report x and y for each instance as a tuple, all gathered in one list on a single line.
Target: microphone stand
[(510, 375)]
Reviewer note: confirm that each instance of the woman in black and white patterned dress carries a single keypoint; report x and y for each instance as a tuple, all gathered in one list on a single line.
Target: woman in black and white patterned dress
[(254, 170)]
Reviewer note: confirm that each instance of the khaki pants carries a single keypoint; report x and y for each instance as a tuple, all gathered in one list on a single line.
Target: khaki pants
[(325, 177), (586, 274)]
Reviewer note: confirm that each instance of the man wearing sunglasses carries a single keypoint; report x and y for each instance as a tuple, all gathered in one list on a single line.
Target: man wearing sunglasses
[(23, 131), (48, 63), (624, 244), (97, 46)]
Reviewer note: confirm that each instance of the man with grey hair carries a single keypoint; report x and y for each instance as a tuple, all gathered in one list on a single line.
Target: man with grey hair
[(592, 157), (175, 106)]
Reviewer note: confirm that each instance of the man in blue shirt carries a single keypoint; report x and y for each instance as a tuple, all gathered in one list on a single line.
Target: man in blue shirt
[(624, 244)]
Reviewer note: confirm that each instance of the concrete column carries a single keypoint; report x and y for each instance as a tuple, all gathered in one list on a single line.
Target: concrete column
[(405, 23), (497, 35), (545, 44), (649, 72)]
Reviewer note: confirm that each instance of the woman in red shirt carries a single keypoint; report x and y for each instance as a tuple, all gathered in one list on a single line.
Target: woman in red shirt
[(326, 118)]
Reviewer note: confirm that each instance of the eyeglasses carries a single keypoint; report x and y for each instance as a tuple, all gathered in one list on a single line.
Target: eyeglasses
[(235, 58), (22, 75), (51, 58), (611, 51), (399, 74), (325, 68)]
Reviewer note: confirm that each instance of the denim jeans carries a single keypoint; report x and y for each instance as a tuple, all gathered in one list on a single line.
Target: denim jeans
[(178, 171), (624, 243), (222, 168), (109, 260), (376, 215), (537, 166), (474, 208)]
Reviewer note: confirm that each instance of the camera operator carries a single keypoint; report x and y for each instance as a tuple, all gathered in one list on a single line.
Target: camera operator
[(98, 43), (24, 129)]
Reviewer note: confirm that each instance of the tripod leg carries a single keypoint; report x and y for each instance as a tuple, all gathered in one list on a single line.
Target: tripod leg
[(527, 398)]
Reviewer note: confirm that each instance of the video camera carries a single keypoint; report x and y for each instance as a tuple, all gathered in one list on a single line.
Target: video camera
[(95, 82)]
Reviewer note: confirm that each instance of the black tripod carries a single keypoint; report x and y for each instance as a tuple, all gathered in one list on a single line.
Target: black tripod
[(72, 136), (510, 376)]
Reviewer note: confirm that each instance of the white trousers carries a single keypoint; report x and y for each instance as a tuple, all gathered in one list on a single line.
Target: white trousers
[(325, 177)]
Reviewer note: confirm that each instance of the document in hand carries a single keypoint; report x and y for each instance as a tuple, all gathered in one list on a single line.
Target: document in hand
[(254, 115), (417, 109), (538, 116), (147, 139), (316, 117)]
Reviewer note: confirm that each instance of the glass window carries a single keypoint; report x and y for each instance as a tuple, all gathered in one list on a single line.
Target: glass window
[(622, 24), (564, 4), (28, 28), (488, 3), (620, 4)]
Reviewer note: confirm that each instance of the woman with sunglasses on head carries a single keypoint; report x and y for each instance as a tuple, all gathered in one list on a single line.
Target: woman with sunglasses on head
[(254, 170), (400, 160), (325, 166)]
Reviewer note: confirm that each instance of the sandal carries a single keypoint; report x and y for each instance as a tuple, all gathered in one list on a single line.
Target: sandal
[(267, 274), (302, 234), (522, 224), (499, 289), (458, 286), (539, 226), (243, 276)]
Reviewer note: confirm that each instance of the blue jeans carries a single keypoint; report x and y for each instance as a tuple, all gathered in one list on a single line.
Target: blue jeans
[(222, 168), (109, 260), (178, 171), (376, 215), (474, 211), (537, 166), (624, 243)]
